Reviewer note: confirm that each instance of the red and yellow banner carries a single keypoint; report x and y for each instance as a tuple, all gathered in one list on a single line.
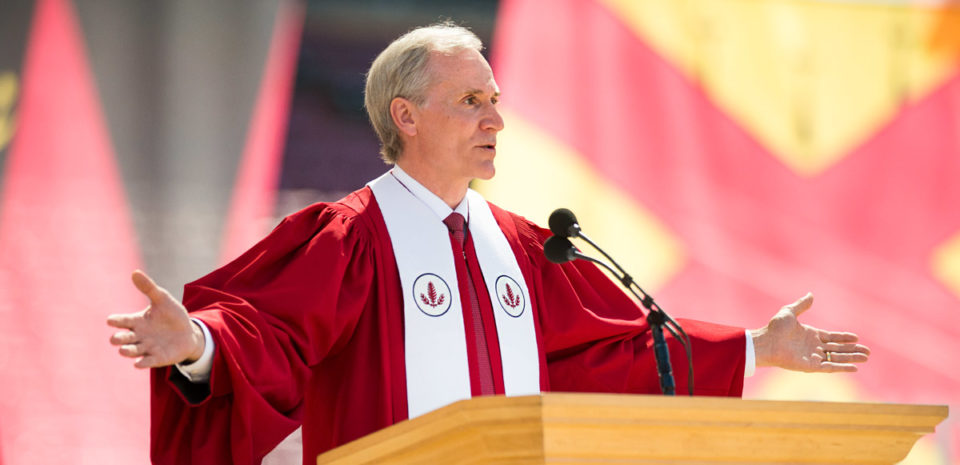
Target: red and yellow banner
[(68, 241), (65, 235), (740, 153)]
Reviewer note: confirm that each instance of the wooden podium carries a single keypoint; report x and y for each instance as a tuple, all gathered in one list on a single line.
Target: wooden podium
[(604, 428)]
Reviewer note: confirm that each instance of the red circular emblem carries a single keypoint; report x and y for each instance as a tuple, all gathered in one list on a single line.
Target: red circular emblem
[(510, 296), (431, 294)]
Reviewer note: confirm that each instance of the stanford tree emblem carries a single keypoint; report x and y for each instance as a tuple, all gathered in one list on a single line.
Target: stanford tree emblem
[(431, 294), (431, 298), (511, 297)]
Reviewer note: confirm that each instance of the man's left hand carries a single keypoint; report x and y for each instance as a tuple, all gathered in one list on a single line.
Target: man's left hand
[(786, 343)]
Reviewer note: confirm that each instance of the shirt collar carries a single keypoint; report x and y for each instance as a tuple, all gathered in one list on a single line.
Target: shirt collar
[(436, 204)]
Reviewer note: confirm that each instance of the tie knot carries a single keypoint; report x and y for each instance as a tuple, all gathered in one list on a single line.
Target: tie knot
[(455, 222)]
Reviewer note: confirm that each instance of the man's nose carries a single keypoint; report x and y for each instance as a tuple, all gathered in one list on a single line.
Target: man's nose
[(492, 120)]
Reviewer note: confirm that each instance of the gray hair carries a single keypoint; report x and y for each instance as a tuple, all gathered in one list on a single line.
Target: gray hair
[(401, 71)]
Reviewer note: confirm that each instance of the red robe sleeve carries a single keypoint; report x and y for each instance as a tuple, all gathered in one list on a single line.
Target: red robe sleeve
[(275, 312), (595, 338)]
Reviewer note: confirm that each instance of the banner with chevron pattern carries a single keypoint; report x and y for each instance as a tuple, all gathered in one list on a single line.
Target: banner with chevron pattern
[(739, 153), (79, 210)]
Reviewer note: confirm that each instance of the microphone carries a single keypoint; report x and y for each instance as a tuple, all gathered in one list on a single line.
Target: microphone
[(563, 223), (559, 250)]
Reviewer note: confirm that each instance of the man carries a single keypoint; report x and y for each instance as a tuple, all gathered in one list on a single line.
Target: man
[(412, 293)]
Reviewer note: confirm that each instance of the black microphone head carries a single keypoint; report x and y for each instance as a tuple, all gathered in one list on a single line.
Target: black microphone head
[(561, 220), (558, 249)]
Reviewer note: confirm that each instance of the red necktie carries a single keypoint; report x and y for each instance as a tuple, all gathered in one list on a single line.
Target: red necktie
[(455, 223)]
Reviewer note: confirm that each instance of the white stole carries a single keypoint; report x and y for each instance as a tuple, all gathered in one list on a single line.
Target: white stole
[(435, 343)]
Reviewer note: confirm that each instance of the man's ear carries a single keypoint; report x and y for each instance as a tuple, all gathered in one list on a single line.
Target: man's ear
[(404, 114)]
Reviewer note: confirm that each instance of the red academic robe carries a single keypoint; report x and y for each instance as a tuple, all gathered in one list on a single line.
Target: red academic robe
[(309, 329)]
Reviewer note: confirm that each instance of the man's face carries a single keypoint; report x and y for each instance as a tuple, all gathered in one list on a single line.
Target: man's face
[(458, 121)]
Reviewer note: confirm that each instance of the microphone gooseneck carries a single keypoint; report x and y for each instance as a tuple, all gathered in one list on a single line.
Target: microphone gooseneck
[(559, 249)]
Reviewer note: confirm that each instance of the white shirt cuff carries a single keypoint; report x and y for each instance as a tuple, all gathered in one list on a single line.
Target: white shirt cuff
[(199, 371), (750, 367)]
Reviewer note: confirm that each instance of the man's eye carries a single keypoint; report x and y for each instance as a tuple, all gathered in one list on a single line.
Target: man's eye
[(471, 100)]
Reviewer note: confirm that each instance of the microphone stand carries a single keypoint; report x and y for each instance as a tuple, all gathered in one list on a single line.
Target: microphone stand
[(657, 319), (629, 283)]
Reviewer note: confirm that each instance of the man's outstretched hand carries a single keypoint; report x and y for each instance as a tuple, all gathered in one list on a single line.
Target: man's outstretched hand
[(160, 335), (786, 343)]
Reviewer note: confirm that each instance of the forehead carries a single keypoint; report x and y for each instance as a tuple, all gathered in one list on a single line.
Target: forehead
[(461, 71)]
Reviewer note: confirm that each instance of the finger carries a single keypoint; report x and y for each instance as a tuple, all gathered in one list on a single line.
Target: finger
[(846, 348), (836, 336), (123, 337), (832, 367), (130, 350), (837, 357), (124, 320), (147, 287), (148, 361), (801, 305)]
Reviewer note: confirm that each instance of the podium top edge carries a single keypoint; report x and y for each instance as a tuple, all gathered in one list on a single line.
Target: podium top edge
[(654, 401)]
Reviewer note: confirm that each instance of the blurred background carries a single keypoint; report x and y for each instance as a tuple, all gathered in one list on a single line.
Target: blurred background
[(736, 153)]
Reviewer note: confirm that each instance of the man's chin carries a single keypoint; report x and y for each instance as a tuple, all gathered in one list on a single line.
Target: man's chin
[(487, 172)]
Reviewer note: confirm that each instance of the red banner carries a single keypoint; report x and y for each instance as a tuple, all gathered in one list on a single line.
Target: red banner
[(744, 153)]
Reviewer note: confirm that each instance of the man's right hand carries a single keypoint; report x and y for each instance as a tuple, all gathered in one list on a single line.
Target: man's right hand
[(160, 335)]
